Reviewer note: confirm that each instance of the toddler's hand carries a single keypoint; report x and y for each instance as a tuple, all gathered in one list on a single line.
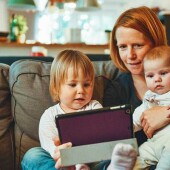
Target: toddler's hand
[(57, 157), (123, 157)]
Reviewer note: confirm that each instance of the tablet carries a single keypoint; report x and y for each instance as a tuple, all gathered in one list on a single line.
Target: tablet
[(95, 126)]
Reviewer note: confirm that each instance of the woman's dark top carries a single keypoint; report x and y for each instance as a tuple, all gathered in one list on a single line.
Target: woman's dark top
[(118, 92), (121, 91)]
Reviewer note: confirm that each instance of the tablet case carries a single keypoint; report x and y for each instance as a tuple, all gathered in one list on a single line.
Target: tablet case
[(92, 153), (96, 126)]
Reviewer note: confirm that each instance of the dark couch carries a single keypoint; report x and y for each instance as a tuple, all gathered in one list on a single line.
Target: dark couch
[(24, 95)]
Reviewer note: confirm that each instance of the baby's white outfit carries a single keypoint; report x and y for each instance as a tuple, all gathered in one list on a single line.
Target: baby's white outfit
[(155, 151)]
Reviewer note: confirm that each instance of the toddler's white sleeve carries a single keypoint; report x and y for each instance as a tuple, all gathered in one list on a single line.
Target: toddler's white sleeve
[(82, 167)]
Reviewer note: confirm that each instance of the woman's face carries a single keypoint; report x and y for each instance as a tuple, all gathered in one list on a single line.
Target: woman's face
[(132, 46)]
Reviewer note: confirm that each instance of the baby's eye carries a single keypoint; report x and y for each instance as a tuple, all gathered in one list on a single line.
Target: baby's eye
[(149, 75), (163, 73)]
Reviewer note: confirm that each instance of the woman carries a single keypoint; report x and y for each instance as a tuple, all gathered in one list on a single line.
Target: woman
[(136, 31)]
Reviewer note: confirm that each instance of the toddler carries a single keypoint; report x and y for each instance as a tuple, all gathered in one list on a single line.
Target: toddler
[(71, 85)]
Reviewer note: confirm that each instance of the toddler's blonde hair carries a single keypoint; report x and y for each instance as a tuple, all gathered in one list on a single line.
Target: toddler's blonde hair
[(60, 65)]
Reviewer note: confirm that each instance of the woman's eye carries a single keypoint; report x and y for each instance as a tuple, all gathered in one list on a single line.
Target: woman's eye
[(138, 46), (122, 47)]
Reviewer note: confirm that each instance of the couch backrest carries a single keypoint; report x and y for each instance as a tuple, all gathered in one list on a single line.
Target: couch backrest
[(11, 59)]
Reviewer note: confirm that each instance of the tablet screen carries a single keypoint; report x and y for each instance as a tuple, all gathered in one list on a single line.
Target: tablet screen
[(95, 126)]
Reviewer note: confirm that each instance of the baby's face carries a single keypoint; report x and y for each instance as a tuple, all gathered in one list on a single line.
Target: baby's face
[(157, 75)]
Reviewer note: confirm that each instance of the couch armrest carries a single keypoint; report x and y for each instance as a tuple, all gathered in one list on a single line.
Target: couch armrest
[(6, 121)]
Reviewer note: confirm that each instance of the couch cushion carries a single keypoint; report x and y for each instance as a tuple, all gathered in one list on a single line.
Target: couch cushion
[(6, 129), (101, 82), (29, 84), (105, 68)]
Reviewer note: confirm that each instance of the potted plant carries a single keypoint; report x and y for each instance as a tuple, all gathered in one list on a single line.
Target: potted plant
[(18, 28)]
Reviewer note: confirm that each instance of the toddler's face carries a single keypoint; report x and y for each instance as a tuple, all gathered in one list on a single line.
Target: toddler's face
[(76, 91), (157, 75)]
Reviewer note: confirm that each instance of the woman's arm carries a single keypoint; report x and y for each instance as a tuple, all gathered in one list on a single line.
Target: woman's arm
[(154, 119)]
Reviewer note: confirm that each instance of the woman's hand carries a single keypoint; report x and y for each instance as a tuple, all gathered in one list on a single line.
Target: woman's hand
[(57, 157), (155, 118)]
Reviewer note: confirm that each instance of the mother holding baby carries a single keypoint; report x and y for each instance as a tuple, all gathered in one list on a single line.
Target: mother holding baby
[(135, 32)]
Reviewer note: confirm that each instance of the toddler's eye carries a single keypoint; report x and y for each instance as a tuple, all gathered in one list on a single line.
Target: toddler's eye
[(72, 85), (86, 84)]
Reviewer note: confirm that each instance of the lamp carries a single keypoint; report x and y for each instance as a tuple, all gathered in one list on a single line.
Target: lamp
[(87, 5), (60, 3), (69, 1), (21, 4), (81, 5), (40, 4)]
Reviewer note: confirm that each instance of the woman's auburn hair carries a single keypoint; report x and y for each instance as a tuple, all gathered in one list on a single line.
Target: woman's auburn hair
[(142, 19), (59, 69)]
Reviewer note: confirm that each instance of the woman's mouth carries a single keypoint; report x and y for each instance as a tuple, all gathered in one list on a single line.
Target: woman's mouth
[(134, 65)]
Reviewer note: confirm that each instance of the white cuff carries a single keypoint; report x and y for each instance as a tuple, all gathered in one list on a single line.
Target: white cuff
[(82, 167)]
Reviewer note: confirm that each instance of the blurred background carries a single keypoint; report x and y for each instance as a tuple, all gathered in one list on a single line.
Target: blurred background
[(64, 21), (45, 27)]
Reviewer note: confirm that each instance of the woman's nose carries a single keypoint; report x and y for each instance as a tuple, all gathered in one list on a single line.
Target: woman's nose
[(131, 53)]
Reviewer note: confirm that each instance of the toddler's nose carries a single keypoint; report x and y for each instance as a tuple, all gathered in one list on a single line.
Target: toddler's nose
[(80, 89)]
